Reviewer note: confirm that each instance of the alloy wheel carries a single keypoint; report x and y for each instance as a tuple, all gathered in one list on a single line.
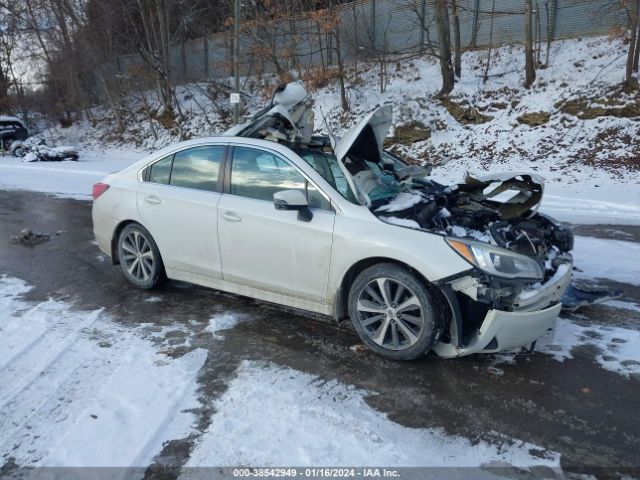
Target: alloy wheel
[(390, 313), (137, 256)]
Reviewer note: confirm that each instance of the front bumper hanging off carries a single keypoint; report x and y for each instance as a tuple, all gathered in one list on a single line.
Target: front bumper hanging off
[(502, 331), (531, 316)]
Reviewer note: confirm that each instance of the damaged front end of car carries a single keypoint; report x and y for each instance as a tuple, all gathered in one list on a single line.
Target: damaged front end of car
[(519, 259)]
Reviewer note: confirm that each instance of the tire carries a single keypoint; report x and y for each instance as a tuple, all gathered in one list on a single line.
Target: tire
[(139, 257), (19, 152), (6, 143), (387, 328)]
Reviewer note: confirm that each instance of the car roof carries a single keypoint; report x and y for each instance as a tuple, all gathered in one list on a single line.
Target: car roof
[(258, 142), (9, 118), (196, 142)]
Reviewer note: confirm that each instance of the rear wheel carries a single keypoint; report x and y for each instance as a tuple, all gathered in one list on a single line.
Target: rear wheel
[(6, 143), (139, 257), (393, 312)]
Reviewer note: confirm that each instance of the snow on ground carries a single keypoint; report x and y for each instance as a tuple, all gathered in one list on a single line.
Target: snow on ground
[(613, 259), (66, 179), (634, 307), (618, 348), (254, 426), (221, 322), (80, 390), (585, 204)]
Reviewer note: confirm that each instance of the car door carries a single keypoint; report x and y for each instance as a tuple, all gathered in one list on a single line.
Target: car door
[(267, 248), (177, 202)]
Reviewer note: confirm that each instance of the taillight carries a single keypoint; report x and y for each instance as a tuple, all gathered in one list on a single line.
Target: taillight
[(99, 189)]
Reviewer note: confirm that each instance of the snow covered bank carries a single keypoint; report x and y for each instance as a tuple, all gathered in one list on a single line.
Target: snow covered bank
[(613, 259), (79, 390), (273, 416)]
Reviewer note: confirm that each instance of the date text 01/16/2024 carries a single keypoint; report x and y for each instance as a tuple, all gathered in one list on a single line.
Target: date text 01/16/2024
[(316, 472)]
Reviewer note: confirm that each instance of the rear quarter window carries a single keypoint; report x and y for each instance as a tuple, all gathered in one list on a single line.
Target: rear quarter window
[(160, 171)]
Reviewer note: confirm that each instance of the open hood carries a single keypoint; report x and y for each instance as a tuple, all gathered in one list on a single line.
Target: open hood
[(363, 142), (365, 139)]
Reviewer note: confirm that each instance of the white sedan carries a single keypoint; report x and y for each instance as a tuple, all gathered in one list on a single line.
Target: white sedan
[(347, 231)]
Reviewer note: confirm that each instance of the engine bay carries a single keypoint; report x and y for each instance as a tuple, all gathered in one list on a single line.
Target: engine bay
[(466, 211)]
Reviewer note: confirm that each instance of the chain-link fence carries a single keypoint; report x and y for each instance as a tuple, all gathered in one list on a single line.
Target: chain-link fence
[(381, 30)]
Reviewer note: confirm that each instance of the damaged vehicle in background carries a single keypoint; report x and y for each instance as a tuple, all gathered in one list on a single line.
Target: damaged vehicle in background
[(341, 227), (36, 149)]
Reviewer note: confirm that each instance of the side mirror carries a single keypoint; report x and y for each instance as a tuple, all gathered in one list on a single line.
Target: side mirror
[(293, 200)]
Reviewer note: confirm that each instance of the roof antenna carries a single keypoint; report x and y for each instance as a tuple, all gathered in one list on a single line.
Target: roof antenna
[(332, 137)]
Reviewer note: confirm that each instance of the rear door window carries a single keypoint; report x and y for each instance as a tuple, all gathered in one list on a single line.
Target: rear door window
[(197, 168)]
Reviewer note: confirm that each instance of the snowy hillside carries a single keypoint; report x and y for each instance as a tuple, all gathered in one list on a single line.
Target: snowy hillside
[(574, 127)]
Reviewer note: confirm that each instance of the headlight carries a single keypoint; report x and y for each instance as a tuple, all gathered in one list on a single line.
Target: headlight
[(495, 260)]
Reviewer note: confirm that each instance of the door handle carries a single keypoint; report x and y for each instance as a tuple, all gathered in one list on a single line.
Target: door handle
[(152, 199), (231, 217)]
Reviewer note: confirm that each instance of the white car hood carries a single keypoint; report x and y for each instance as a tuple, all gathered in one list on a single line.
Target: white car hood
[(363, 140), (375, 126)]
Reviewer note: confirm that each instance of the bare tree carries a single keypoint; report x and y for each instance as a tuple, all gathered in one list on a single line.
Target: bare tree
[(444, 48), (341, 71), (376, 49), (636, 56), (419, 9), (486, 70), (7, 45), (155, 46), (630, 82), (529, 59), (456, 38)]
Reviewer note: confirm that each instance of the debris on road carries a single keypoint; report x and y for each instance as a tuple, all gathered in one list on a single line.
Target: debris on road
[(30, 238)]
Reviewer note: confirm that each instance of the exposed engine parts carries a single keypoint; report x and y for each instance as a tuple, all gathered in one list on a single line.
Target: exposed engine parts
[(465, 211)]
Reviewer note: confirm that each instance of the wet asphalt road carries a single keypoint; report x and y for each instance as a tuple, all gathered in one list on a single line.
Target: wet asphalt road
[(588, 414)]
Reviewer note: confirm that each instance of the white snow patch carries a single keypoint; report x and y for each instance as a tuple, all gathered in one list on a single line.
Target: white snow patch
[(402, 222), (273, 416), (613, 259), (634, 307), (65, 179), (221, 322), (79, 390), (402, 201), (619, 348)]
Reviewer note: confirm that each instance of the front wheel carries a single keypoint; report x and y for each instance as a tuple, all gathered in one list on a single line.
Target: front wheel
[(393, 312), (139, 257), (19, 152)]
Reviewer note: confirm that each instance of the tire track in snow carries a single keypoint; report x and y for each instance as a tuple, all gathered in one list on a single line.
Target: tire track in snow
[(65, 383), (30, 363), (146, 452), (69, 402)]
